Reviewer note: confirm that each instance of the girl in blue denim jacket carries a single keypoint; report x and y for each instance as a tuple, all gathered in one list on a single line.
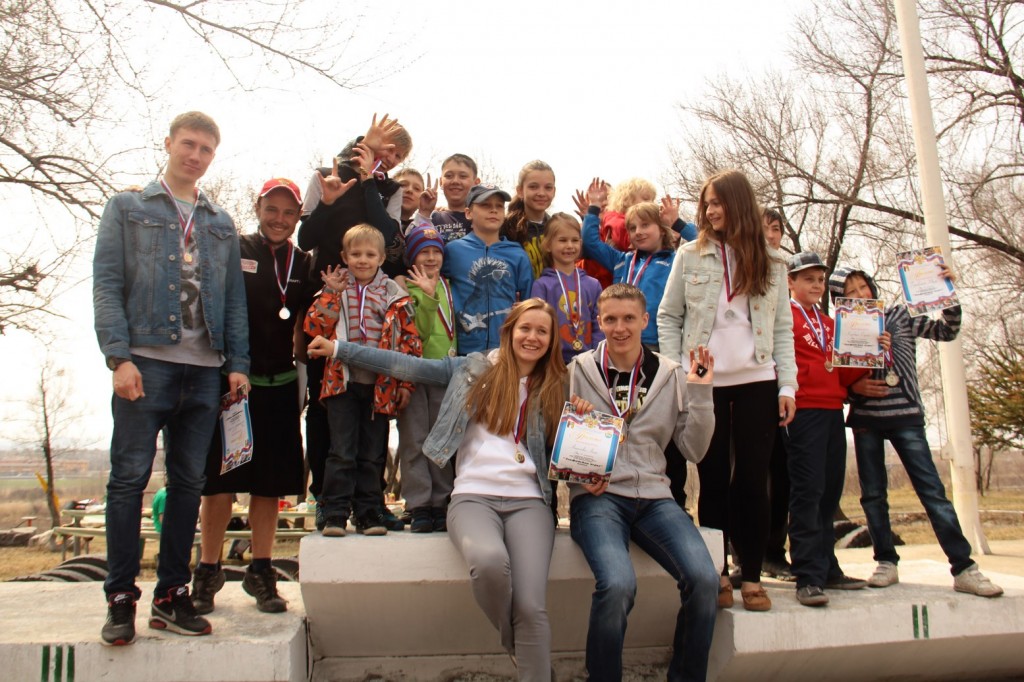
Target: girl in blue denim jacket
[(728, 290), (498, 417)]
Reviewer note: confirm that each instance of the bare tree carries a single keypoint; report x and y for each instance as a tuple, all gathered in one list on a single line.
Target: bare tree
[(69, 69), (53, 417), (829, 143)]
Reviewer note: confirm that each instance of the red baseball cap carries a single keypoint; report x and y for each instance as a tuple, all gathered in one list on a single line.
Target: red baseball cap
[(281, 183)]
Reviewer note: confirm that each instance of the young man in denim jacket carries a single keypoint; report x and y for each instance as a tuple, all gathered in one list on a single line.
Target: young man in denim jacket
[(170, 314)]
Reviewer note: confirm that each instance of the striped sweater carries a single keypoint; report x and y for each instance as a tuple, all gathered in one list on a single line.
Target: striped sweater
[(902, 407)]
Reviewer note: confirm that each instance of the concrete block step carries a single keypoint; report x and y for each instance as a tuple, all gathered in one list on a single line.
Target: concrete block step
[(409, 595), (52, 633), (918, 629)]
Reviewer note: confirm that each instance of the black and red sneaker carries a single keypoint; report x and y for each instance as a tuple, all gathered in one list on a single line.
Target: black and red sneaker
[(176, 613), (120, 626)]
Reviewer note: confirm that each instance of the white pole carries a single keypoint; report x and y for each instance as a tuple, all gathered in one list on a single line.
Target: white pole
[(951, 359)]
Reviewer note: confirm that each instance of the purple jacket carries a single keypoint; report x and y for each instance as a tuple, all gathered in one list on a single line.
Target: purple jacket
[(548, 288)]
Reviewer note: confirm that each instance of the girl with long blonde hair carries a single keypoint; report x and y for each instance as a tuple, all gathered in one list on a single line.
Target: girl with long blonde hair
[(498, 420)]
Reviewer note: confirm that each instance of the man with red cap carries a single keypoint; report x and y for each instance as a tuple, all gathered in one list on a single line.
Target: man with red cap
[(278, 292)]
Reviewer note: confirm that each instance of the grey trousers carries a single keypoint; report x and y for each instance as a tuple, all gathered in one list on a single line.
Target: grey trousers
[(507, 544), (424, 484)]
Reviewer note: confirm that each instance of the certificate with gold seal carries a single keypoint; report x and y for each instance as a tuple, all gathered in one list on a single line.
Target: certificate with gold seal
[(924, 287), (859, 323), (585, 446), (235, 431)]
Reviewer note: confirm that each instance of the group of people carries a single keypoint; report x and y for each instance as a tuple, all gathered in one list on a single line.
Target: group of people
[(472, 326)]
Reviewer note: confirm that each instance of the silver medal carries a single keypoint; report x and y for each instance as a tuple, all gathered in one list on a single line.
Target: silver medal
[(892, 379), (284, 313)]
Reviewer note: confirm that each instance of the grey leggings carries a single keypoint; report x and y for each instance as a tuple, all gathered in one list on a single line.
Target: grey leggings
[(507, 543)]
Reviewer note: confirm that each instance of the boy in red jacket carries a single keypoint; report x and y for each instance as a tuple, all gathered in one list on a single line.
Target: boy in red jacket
[(816, 439)]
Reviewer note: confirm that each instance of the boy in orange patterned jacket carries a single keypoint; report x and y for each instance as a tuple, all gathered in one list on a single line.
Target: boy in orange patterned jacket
[(360, 304)]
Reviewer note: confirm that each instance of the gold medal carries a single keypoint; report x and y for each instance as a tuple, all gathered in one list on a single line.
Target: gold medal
[(828, 366), (187, 257), (577, 345), (520, 457), (451, 352), (892, 379)]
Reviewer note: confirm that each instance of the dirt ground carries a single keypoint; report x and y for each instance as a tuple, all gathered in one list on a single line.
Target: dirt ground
[(1002, 515)]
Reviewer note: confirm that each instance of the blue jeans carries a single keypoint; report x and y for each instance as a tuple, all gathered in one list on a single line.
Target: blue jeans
[(912, 447), (603, 526), (185, 399)]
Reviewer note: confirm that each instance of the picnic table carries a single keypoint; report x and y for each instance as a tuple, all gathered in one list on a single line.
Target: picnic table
[(84, 525)]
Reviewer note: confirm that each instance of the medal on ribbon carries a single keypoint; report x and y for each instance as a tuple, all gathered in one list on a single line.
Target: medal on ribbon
[(520, 428), (819, 331), (892, 379), (573, 312), (186, 223), (446, 322), (361, 299), (629, 410), (635, 279), (283, 313)]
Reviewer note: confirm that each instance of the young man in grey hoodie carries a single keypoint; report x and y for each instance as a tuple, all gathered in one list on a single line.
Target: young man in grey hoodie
[(659, 403)]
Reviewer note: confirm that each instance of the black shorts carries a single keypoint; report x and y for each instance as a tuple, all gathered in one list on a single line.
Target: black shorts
[(276, 468)]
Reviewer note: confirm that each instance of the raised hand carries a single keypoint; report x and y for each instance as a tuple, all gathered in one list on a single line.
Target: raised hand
[(378, 135), (597, 193), (702, 366), (335, 277), (428, 199), (580, 199), (669, 211), (331, 187), (419, 277)]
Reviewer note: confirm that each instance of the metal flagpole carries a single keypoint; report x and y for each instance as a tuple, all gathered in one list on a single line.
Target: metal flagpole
[(951, 359)]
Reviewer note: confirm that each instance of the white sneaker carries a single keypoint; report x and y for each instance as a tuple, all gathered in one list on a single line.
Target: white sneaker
[(971, 581), (885, 574)]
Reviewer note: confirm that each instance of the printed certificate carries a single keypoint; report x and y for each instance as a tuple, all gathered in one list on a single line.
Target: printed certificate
[(859, 323), (923, 288), (585, 446), (235, 432)]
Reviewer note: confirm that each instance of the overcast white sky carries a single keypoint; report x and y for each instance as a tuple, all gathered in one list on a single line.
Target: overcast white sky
[(591, 88)]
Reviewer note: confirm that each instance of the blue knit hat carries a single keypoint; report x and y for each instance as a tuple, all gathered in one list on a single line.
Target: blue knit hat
[(419, 238)]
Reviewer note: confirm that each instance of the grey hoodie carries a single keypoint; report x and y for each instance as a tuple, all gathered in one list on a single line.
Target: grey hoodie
[(672, 408)]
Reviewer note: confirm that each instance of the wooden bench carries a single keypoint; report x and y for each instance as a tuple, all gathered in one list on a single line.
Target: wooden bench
[(85, 535)]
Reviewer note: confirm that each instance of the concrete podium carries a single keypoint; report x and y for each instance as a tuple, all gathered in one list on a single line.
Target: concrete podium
[(401, 606)]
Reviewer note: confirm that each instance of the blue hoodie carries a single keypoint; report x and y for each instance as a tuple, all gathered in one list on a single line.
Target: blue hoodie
[(486, 282), (654, 278)]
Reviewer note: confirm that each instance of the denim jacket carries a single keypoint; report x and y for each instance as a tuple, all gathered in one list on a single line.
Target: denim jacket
[(687, 310), (458, 374), (137, 280)]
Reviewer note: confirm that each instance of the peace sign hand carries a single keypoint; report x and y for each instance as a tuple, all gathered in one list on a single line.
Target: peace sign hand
[(428, 199)]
